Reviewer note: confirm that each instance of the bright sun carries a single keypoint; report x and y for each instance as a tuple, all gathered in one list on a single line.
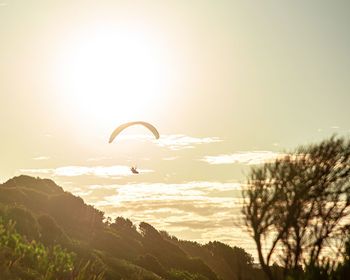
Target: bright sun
[(114, 75)]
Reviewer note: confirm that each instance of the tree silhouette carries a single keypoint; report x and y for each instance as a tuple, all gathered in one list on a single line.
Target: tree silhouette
[(294, 206)]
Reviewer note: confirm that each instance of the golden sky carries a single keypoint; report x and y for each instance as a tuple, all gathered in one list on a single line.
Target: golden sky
[(228, 84)]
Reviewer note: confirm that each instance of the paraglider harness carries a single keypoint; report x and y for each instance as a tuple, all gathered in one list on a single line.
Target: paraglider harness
[(133, 170)]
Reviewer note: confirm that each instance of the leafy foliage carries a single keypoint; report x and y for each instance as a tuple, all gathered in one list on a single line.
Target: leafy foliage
[(226, 261), (20, 259)]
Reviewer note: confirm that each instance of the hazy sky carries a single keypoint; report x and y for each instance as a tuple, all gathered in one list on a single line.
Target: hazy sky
[(228, 84)]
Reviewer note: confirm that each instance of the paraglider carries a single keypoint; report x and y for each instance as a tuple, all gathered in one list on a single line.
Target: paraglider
[(125, 125), (120, 128), (133, 170)]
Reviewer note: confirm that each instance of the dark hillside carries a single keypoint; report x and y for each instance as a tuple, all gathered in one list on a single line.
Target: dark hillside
[(44, 212), (43, 185)]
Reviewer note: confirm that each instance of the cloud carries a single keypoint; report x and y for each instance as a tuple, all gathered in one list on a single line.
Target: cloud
[(203, 211), (81, 193), (99, 171), (170, 158), (41, 158), (173, 141), (180, 141), (174, 204), (248, 158), (37, 171)]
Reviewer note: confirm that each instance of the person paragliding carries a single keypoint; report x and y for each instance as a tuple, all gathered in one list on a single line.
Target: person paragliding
[(134, 170), (120, 128)]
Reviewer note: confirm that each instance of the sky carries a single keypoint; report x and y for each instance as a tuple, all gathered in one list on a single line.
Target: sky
[(228, 84)]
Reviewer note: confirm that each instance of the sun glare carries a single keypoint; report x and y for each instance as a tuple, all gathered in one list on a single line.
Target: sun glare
[(114, 75)]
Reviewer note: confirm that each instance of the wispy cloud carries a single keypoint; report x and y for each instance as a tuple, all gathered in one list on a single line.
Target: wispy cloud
[(170, 158), (41, 158), (193, 197), (37, 171), (203, 210), (173, 141), (172, 205), (248, 158), (99, 171), (180, 141)]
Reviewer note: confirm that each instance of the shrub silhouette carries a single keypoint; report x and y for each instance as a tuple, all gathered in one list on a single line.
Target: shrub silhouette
[(297, 203)]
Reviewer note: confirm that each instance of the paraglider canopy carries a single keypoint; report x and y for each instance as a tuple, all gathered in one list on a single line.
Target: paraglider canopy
[(120, 128), (125, 125)]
